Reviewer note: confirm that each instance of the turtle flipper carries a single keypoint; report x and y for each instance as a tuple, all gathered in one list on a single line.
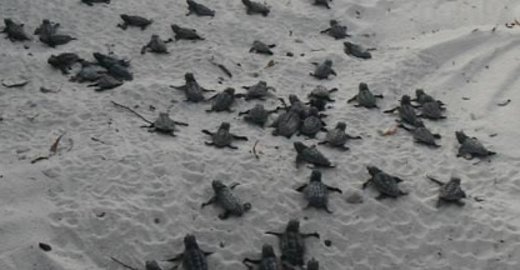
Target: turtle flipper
[(211, 201), (344, 148), (301, 188), (391, 110), (181, 87), (354, 137), (365, 185), (224, 215), (176, 258), (231, 147), (325, 31), (323, 142), (326, 208), (352, 99), (274, 233), (334, 189), (241, 138), (181, 123), (307, 235), (209, 143), (205, 131), (381, 196), (438, 182)]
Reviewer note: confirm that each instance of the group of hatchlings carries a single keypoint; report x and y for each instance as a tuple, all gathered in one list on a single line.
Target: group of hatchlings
[(296, 117)]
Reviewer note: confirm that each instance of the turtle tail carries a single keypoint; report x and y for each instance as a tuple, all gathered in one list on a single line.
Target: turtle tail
[(247, 206)]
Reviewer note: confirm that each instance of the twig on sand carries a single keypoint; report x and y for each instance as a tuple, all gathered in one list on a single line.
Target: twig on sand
[(502, 104), (19, 83), (54, 146), (123, 264), (132, 111), (39, 159), (254, 150), (222, 67)]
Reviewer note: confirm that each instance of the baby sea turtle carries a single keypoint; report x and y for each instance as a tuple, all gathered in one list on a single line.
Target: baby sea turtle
[(107, 61), (64, 61), (287, 123), (120, 72), (89, 72), (192, 89), (257, 91), (292, 243), (323, 70), (316, 193), (356, 50), (14, 31), (323, 3), (450, 192), (313, 265), (48, 34), (185, 33), (337, 137), (106, 82), (223, 101), (432, 110), (267, 262), (365, 98), (223, 138), (320, 96), (296, 105), (253, 7), (421, 97), (311, 155), (227, 200), (193, 258), (199, 9), (262, 48), (156, 45), (471, 147), (312, 124), (257, 115), (423, 135), (164, 124), (386, 184), (407, 112), (336, 30), (134, 20), (92, 2), (47, 28)]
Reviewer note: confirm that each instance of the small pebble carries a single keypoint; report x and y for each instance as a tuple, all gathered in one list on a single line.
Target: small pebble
[(290, 54), (45, 247), (327, 243)]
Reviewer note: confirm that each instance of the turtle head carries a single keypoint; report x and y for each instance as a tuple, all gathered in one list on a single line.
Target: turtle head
[(328, 63), (267, 251), (225, 126), (124, 17), (419, 124), (293, 226), (406, 100), (419, 92), (246, 2), (363, 86), (455, 180), (8, 22), (299, 146), (333, 22), (293, 99), (461, 136), (373, 170), (46, 21), (189, 77), (230, 91), (217, 185), (175, 27), (315, 176), (155, 36), (313, 265), (341, 125), (164, 115), (98, 56), (262, 83), (53, 60), (190, 242)]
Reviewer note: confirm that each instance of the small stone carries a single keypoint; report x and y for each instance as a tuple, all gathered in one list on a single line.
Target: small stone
[(45, 247), (327, 243), (354, 197), (290, 54)]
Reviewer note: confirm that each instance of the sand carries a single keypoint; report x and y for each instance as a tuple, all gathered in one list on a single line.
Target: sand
[(114, 189)]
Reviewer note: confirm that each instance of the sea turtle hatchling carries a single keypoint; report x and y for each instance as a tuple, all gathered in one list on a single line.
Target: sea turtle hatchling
[(323, 3), (257, 115), (227, 200), (156, 45), (262, 48), (47, 28), (267, 262), (386, 184), (287, 123), (336, 30), (365, 98), (471, 147), (222, 101), (292, 243), (421, 97), (223, 138), (92, 2), (89, 72), (337, 137), (253, 7), (320, 96), (423, 135), (257, 91), (199, 9), (185, 33), (310, 154), (193, 258), (164, 124), (47, 32), (134, 20), (14, 31), (356, 50), (107, 61), (450, 192), (192, 89), (316, 192), (295, 104), (106, 82), (323, 70), (312, 124), (431, 110), (407, 112), (64, 61)]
